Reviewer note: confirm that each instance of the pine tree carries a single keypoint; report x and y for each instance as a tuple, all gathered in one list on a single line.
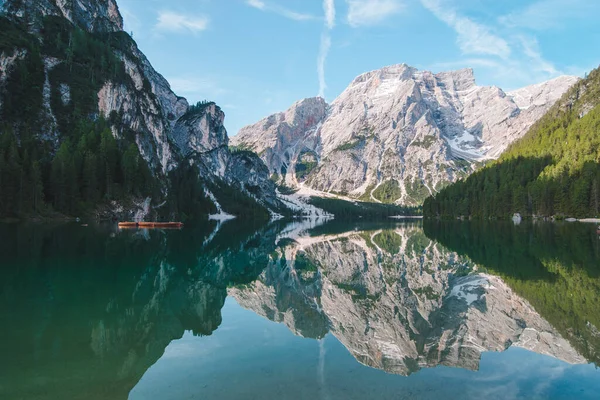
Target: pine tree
[(37, 186), (90, 178), (130, 165), (109, 156)]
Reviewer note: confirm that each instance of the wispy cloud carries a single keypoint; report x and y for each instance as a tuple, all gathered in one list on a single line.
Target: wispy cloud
[(283, 11), (473, 38), (371, 12), (549, 14), (329, 9), (323, 53), (515, 59), (531, 49), (257, 4), (169, 21)]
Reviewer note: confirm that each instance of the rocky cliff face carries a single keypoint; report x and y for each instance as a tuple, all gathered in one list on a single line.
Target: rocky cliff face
[(397, 134), (397, 301), (90, 15), (140, 105)]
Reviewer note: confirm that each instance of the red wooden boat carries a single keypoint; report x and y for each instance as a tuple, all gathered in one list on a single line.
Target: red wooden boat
[(150, 225)]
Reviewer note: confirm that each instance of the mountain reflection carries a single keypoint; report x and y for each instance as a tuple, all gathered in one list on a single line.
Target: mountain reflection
[(555, 267), (397, 301), (86, 311)]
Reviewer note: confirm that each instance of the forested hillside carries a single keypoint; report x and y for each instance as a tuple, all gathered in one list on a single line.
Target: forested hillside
[(90, 166), (553, 170), (89, 128)]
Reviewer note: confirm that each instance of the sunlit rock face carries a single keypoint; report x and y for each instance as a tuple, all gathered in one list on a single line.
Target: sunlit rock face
[(90, 15), (397, 301), (404, 131)]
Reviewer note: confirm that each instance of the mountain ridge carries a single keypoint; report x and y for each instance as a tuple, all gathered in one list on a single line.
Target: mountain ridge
[(553, 170), (404, 132)]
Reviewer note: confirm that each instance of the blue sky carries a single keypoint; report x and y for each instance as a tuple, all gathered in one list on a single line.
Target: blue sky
[(257, 57)]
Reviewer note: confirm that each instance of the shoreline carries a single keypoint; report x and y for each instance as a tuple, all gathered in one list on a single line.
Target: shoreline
[(589, 220)]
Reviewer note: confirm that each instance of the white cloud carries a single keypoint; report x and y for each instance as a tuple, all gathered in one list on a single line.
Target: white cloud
[(549, 14), (283, 11), (371, 12), (293, 14), (170, 21), (473, 38), (531, 49), (323, 52), (257, 4), (514, 60), (329, 7)]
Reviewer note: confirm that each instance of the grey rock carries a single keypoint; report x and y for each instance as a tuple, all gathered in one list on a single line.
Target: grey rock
[(411, 130)]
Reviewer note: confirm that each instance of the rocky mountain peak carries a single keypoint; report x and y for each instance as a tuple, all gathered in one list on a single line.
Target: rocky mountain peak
[(541, 93), (398, 134), (306, 111), (89, 15), (398, 72), (462, 79)]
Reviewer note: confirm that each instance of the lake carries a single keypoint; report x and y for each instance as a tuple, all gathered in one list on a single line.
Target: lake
[(300, 310)]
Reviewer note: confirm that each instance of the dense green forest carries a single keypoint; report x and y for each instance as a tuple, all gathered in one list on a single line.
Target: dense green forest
[(78, 175), (553, 266), (82, 167), (346, 210), (88, 165), (553, 170)]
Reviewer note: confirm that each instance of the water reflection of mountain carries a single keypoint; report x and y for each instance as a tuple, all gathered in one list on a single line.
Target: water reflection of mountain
[(84, 314), (555, 267), (397, 300)]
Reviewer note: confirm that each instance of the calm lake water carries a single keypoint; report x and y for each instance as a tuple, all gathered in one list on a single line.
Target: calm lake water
[(300, 311)]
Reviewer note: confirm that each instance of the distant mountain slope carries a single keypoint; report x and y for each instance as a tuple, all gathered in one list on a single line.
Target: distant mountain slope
[(87, 123), (397, 134), (554, 169)]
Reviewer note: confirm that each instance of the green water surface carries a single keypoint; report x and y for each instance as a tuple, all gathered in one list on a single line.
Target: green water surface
[(301, 310)]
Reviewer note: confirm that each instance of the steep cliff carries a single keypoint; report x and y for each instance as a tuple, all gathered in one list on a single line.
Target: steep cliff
[(397, 134), (68, 63)]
